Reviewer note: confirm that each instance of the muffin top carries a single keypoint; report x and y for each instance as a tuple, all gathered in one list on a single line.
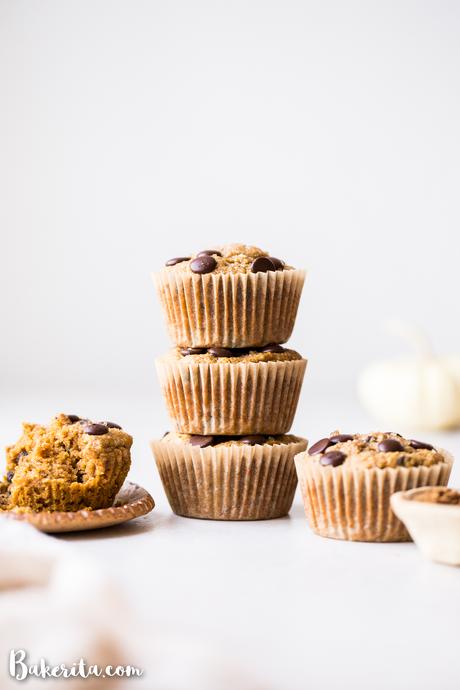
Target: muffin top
[(247, 440), (230, 258), (212, 355), (378, 449), (58, 447)]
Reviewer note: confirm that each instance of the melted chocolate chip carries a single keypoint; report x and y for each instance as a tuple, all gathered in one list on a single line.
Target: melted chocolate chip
[(209, 252), (252, 439), (420, 445), (341, 438), (277, 263), (401, 461), (9, 476), (273, 347), (192, 351), (177, 260), (334, 458), (203, 264), (111, 425), (221, 352), (389, 445), (262, 264), (201, 441), (95, 429), (320, 446), (73, 418)]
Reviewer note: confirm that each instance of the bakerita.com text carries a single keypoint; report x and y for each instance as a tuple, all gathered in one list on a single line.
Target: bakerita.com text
[(21, 668)]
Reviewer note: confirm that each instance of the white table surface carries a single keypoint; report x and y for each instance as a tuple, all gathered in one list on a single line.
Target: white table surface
[(291, 609)]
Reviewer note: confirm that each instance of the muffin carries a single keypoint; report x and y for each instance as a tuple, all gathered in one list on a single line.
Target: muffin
[(347, 480), (231, 296), (232, 391), (228, 478), (72, 464)]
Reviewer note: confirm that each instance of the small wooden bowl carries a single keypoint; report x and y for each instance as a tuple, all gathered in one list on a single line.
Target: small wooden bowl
[(131, 502)]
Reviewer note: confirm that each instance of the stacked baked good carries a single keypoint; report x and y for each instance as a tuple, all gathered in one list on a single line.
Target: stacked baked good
[(230, 387)]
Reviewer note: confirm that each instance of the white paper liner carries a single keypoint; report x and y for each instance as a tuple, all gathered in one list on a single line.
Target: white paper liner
[(234, 482), (354, 504), (226, 398), (229, 309)]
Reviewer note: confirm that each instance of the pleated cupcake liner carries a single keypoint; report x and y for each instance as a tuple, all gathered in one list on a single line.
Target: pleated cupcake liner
[(225, 398), (234, 482), (229, 309), (354, 504)]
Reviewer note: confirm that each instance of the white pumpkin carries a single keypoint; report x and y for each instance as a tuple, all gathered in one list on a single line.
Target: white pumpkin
[(419, 392)]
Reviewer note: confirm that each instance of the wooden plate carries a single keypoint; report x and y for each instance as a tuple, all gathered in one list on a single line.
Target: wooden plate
[(132, 501)]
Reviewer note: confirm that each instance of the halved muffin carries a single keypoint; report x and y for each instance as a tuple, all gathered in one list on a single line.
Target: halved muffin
[(69, 465)]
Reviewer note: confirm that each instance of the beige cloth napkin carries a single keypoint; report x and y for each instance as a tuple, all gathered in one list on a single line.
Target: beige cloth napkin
[(56, 604)]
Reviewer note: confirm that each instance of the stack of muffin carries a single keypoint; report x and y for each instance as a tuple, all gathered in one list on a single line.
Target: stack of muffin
[(230, 387)]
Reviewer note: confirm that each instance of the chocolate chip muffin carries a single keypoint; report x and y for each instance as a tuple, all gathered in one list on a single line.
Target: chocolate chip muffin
[(347, 480), (232, 391), (230, 296), (248, 477), (69, 465)]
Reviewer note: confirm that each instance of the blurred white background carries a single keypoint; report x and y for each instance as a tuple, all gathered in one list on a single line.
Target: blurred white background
[(130, 132)]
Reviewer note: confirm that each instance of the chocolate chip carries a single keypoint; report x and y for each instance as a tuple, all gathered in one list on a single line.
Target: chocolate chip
[(9, 476), (341, 438), (262, 264), (389, 445), (273, 347), (192, 351), (95, 429), (401, 461), (253, 439), (203, 264), (20, 455), (177, 260), (221, 352), (201, 441), (73, 418), (111, 425), (277, 263), (334, 458), (209, 252), (420, 445), (320, 446)]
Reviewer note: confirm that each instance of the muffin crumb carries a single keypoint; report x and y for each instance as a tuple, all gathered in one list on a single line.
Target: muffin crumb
[(69, 465)]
